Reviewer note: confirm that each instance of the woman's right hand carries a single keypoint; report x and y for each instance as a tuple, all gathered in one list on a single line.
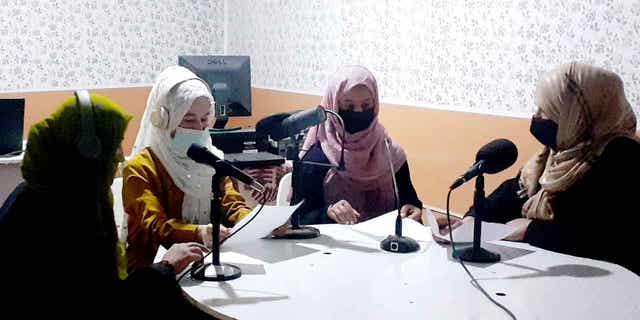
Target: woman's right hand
[(181, 254), (342, 212), (205, 234)]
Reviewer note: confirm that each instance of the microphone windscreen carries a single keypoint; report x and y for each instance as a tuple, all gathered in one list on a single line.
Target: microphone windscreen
[(200, 154), (298, 122), (270, 124), (498, 155)]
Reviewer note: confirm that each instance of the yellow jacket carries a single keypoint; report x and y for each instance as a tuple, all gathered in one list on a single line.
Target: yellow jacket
[(154, 205)]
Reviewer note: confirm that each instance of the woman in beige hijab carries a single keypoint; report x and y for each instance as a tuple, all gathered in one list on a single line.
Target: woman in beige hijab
[(583, 175)]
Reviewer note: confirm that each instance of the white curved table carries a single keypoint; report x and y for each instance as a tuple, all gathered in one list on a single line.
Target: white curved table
[(344, 275)]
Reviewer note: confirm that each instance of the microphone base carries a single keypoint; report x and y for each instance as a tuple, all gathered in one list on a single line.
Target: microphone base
[(222, 272), (399, 244), (302, 232), (479, 255)]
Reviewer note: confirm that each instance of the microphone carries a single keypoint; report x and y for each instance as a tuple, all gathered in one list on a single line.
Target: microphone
[(283, 125), (297, 122), (493, 157), (201, 154), (397, 243)]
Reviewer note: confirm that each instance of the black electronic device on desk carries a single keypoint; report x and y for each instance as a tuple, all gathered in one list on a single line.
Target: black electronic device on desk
[(254, 159), (11, 124), (243, 149), (235, 140)]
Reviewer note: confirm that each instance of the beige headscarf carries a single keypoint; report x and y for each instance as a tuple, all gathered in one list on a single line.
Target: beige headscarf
[(590, 108)]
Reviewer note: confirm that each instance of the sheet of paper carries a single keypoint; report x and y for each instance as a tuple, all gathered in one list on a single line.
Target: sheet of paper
[(464, 232), (159, 254), (261, 225)]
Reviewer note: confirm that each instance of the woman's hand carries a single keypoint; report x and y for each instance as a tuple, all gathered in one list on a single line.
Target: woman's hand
[(281, 231), (181, 254), (441, 218), (521, 225), (342, 212), (412, 212), (205, 234), (224, 233)]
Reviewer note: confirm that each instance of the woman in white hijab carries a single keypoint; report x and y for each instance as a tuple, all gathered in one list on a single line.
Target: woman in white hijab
[(578, 183), (166, 195)]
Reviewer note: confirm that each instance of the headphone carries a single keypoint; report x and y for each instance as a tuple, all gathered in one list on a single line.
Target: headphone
[(160, 117), (87, 142)]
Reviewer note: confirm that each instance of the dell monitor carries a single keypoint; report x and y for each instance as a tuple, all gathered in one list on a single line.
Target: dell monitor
[(229, 78), (11, 125)]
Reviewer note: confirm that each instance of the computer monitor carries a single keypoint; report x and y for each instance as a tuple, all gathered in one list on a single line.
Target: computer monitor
[(12, 124), (229, 78)]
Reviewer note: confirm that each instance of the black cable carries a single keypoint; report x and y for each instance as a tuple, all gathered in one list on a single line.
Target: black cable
[(473, 279), (200, 262)]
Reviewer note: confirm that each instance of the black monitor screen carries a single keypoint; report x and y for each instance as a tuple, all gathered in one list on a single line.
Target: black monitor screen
[(229, 78), (11, 125)]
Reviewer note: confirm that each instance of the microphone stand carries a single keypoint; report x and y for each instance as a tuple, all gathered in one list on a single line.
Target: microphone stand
[(297, 231), (222, 271), (476, 253), (396, 242)]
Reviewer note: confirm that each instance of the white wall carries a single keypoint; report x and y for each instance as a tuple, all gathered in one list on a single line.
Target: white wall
[(66, 44), (480, 56)]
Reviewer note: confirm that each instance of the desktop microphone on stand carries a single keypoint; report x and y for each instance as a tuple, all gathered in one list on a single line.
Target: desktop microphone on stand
[(221, 271), (396, 242), (494, 157), (281, 126)]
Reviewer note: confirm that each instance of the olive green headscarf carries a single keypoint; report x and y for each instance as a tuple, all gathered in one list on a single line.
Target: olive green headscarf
[(53, 164)]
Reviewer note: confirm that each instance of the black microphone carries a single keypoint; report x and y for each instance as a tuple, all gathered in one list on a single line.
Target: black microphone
[(201, 154), (283, 125), (297, 122), (396, 242), (494, 157)]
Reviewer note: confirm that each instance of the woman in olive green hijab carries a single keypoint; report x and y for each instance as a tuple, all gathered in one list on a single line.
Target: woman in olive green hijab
[(57, 231)]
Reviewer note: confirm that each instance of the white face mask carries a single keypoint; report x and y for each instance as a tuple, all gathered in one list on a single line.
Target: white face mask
[(183, 139)]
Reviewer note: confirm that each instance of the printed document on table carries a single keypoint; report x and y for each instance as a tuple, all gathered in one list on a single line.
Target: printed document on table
[(261, 226), (464, 232)]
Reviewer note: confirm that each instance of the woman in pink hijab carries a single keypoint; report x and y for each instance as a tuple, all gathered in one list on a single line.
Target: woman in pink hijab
[(363, 190)]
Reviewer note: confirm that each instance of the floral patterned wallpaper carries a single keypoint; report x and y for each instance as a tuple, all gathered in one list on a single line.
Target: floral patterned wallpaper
[(50, 44), (472, 55)]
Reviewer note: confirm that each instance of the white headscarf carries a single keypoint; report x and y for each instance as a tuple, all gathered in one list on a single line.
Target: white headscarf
[(171, 97)]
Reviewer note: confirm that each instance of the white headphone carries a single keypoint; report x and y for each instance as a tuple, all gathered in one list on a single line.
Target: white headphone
[(87, 142), (160, 117)]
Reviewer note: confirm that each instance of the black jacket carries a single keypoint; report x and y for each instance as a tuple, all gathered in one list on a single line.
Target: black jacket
[(596, 218), (56, 262), (310, 187)]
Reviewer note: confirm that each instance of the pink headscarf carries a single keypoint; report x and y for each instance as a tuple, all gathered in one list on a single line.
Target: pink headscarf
[(367, 182)]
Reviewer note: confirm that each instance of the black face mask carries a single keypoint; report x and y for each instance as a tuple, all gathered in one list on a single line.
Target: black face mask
[(546, 131), (356, 121)]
